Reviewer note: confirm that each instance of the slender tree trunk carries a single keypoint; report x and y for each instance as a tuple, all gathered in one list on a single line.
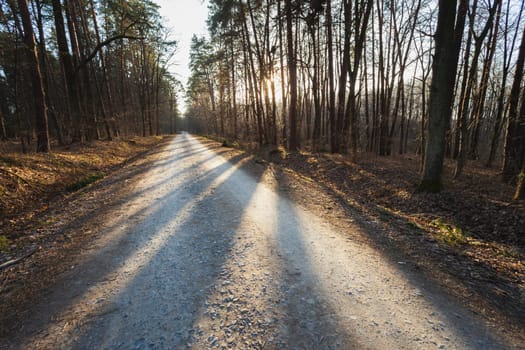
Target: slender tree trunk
[(331, 77), (51, 112), (292, 76), (485, 75), (42, 132), (284, 116), (464, 115), (233, 87), (314, 27), (351, 125), (256, 95), (520, 188), (3, 130), (338, 139), (513, 137), (501, 110)]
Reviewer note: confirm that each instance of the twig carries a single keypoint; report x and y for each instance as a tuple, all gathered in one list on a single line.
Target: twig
[(7, 172), (17, 260)]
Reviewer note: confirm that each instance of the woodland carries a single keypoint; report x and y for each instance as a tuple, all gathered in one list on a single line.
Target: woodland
[(383, 77), (74, 71)]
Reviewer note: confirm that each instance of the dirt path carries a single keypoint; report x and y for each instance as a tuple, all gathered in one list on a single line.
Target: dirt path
[(203, 254)]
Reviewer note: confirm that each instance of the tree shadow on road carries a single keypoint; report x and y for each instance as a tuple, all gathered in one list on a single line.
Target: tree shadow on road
[(181, 234), (440, 298)]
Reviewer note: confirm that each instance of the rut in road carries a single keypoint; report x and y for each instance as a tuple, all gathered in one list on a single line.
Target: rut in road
[(202, 254)]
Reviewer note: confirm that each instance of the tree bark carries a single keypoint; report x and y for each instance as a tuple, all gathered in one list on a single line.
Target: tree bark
[(41, 125), (511, 162), (292, 75), (331, 83), (447, 38)]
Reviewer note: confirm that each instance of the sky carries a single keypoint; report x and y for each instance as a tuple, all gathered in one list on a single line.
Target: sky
[(184, 18)]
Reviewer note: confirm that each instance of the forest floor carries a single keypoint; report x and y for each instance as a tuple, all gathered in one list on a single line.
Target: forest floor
[(467, 241), (30, 182)]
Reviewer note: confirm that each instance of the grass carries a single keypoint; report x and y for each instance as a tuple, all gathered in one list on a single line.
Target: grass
[(448, 233)]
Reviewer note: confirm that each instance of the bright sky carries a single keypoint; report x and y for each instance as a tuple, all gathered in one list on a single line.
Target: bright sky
[(184, 18)]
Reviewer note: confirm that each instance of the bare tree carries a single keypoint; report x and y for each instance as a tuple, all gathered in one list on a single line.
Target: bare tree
[(448, 38)]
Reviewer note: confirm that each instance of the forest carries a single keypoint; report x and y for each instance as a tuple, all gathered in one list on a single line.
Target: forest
[(357, 76), (383, 77), (73, 71)]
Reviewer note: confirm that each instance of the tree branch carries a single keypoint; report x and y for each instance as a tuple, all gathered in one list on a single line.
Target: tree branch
[(100, 46)]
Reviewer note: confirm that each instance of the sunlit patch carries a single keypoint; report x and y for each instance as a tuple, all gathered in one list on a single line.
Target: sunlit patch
[(403, 194)]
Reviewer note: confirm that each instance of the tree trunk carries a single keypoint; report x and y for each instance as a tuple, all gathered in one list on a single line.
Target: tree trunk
[(520, 188), (448, 41), (511, 162), (42, 132), (331, 82), (3, 130), (292, 76), (338, 138), (473, 70)]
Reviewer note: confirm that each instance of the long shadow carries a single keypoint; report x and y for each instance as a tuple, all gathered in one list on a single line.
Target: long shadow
[(192, 247), (203, 234), (492, 296), (11, 322), (440, 298), (138, 172), (310, 318), (498, 291)]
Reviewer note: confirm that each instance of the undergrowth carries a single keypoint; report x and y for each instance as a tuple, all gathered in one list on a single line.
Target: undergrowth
[(449, 234)]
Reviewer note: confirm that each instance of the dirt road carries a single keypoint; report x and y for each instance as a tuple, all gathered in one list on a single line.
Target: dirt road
[(203, 255)]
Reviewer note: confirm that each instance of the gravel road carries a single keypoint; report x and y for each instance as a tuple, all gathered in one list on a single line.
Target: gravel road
[(203, 255)]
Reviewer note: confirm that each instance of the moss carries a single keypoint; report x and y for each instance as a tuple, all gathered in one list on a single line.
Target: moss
[(87, 180), (449, 233), (4, 243)]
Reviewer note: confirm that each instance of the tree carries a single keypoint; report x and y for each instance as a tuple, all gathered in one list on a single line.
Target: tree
[(42, 131), (468, 83), (515, 133), (292, 76), (447, 39)]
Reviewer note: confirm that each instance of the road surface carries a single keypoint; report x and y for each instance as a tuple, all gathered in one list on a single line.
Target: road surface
[(203, 255)]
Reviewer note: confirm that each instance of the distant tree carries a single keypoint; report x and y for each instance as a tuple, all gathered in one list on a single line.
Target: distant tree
[(292, 76), (514, 160)]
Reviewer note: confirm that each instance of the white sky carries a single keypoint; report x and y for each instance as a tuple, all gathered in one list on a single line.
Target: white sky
[(184, 18)]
